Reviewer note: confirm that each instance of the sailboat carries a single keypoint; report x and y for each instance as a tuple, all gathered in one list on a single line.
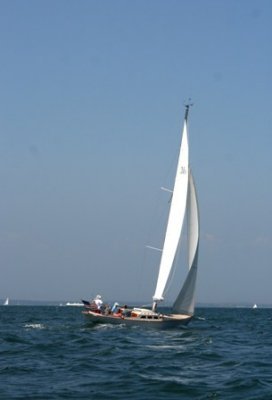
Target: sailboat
[(6, 302), (183, 203)]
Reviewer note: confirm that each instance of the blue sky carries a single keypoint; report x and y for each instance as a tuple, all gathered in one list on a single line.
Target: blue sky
[(91, 109)]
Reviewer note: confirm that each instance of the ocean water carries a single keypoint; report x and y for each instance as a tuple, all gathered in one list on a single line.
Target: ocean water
[(49, 352)]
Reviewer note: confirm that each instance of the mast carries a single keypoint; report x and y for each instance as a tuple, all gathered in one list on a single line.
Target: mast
[(176, 215), (187, 107)]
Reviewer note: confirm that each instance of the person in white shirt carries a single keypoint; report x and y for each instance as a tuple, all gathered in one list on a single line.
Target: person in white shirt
[(98, 301)]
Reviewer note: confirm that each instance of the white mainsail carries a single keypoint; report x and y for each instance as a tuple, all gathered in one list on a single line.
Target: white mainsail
[(176, 216), (185, 302)]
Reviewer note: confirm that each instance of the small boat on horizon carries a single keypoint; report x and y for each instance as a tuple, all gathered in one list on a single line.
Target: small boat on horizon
[(254, 306), (73, 304), (183, 205)]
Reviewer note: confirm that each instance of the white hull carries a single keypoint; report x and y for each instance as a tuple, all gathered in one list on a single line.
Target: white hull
[(161, 321)]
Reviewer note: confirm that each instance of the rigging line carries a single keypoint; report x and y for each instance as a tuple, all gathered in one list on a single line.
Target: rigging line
[(187, 217), (153, 248), (166, 190)]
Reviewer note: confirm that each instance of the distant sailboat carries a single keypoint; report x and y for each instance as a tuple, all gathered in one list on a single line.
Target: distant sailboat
[(6, 302), (183, 200), (255, 306)]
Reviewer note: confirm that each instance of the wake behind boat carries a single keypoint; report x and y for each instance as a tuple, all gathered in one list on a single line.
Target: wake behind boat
[(183, 204)]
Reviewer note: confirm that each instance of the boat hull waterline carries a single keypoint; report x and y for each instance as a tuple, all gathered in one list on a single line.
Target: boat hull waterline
[(161, 321)]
